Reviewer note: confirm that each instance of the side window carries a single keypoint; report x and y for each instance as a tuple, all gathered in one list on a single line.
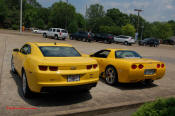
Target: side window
[(50, 29), (58, 30), (26, 49), (53, 30), (102, 54)]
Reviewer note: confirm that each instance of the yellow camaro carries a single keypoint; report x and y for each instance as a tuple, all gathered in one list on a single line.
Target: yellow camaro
[(126, 66), (44, 66)]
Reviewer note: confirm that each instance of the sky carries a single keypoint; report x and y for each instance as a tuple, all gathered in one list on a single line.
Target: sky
[(154, 10)]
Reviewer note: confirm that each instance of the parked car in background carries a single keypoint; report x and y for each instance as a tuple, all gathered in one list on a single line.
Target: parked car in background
[(106, 38), (169, 42), (82, 35), (39, 31), (126, 40), (149, 42), (56, 33)]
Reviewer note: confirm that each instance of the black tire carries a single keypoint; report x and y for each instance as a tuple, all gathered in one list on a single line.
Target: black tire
[(84, 40), (125, 43), (71, 38), (111, 75), (63, 38), (56, 37), (44, 35), (25, 88), (13, 70)]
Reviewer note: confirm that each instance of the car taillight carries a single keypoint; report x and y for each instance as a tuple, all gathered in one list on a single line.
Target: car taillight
[(53, 68), (158, 65), (95, 66), (60, 33), (43, 68), (134, 66), (141, 66), (110, 37), (162, 65), (89, 67)]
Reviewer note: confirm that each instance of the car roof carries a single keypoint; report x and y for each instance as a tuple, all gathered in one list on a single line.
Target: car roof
[(49, 44)]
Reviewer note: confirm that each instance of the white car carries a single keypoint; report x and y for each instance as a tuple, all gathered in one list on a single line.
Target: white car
[(126, 40), (56, 33), (39, 31)]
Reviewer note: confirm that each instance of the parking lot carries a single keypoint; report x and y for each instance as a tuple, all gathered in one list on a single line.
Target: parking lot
[(100, 96)]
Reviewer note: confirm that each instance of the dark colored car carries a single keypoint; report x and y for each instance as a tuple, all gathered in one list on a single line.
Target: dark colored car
[(149, 42), (81, 35), (169, 41), (107, 38)]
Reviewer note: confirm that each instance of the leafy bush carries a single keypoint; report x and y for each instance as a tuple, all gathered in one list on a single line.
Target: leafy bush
[(128, 30), (160, 107), (15, 27)]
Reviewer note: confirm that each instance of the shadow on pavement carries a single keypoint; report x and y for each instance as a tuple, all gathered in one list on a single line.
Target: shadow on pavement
[(130, 86), (52, 99)]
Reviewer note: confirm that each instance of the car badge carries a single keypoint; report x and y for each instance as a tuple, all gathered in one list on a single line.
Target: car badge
[(73, 68)]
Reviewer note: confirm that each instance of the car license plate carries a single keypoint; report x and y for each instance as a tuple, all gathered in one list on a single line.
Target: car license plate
[(73, 78), (149, 71)]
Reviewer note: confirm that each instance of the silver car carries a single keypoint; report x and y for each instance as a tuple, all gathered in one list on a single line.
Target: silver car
[(126, 40)]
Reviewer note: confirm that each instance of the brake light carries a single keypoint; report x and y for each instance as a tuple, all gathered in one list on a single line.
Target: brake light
[(162, 65), (60, 33), (53, 68), (95, 66), (43, 68), (134, 66), (141, 66), (89, 67), (158, 65)]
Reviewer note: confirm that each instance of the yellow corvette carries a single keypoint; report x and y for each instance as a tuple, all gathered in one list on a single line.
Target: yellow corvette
[(126, 66), (45, 66)]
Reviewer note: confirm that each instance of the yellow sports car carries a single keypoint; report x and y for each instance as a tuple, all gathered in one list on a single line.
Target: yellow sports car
[(126, 66), (45, 66)]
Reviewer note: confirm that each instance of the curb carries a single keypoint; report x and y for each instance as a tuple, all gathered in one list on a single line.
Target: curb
[(96, 110)]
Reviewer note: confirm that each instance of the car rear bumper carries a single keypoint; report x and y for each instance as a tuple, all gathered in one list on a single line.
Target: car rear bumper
[(137, 76), (38, 80)]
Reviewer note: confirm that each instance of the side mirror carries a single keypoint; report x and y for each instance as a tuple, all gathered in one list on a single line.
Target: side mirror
[(16, 50)]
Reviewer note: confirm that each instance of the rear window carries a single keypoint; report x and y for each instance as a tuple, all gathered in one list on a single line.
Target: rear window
[(64, 31), (127, 54), (59, 51)]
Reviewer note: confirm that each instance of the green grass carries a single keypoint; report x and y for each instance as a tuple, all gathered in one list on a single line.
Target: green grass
[(160, 107)]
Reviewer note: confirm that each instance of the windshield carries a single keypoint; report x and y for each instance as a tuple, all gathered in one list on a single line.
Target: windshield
[(127, 54), (59, 51)]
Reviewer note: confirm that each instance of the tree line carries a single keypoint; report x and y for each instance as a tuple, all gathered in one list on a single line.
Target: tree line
[(96, 19)]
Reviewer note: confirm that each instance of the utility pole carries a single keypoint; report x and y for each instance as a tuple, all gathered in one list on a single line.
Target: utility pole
[(21, 17), (138, 10)]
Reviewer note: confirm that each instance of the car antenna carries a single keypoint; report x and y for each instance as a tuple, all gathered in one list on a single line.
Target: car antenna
[(55, 43)]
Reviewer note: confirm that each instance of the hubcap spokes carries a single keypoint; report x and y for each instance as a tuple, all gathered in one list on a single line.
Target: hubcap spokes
[(110, 75)]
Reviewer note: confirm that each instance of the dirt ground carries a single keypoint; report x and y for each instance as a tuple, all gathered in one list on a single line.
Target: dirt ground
[(103, 94)]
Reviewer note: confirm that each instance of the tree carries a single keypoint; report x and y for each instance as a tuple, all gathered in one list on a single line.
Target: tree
[(161, 30), (115, 30), (61, 14), (94, 24), (172, 23), (128, 30), (3, 12), (81, 22), (119, 18), (95, 11), (73, 27)]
